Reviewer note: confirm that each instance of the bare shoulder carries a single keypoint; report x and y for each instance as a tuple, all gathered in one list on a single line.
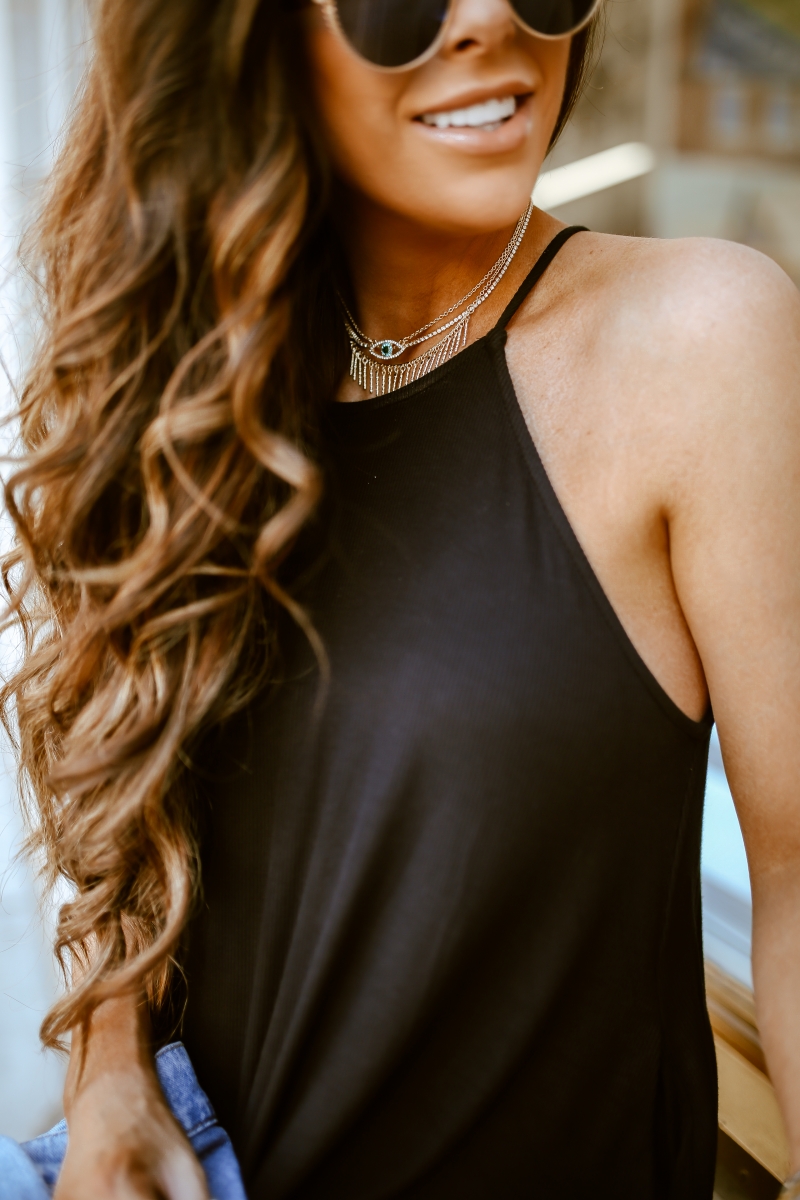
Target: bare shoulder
[(689, 288), (674, 365), (696, 328)]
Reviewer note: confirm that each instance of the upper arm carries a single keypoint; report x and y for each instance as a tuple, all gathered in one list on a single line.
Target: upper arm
[(734, 522)]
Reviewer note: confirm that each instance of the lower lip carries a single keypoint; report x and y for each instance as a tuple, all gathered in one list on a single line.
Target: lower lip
[(509, 135)]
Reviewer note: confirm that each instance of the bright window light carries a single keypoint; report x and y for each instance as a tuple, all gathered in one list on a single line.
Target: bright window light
[(593, 174)]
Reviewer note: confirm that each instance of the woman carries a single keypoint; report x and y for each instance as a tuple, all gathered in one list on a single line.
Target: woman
[(423, 659)]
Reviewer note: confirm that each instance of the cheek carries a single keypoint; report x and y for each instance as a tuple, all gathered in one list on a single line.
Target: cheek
[(553, 58), (356, 107)]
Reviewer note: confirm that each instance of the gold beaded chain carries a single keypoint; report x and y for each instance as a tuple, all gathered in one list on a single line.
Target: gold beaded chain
[(371, 364)]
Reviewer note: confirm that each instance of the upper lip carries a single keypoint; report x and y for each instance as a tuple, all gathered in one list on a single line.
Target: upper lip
[(477, 95)]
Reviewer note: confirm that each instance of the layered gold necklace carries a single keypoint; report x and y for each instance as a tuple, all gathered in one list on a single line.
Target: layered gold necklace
[(371, 361)]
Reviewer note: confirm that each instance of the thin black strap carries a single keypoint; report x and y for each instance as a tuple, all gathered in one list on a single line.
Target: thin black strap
[(537, 271)]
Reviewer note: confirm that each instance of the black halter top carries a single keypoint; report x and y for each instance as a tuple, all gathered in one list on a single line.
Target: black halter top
[(450, 944)]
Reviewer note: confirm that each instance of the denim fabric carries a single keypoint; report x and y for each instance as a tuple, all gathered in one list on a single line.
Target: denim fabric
[(29, 1171)]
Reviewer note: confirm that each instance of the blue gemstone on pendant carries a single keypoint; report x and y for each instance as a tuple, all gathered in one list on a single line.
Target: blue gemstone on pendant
[(386, 349)]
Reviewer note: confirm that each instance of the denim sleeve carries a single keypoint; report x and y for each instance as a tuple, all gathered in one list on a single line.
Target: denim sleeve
[(29, 1171)]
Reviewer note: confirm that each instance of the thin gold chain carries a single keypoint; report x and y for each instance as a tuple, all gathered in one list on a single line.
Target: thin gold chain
[(371, 364), (490, 279)]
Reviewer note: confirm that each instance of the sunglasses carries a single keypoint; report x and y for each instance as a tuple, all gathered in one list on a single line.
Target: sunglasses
[(394, 35)]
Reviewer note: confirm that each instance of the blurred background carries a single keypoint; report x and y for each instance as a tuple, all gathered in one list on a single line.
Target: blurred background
[(712, 87), (690, 126)]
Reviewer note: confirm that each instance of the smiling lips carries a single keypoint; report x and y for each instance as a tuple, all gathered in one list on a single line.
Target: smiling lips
[(486, 116)]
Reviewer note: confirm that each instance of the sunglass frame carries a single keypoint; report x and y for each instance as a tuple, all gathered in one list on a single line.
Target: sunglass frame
[(330, 10)]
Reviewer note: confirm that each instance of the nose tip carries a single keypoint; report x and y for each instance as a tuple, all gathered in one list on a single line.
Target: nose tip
[(479, 24)]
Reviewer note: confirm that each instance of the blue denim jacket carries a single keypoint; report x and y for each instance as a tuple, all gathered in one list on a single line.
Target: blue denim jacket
[(29, 1171)]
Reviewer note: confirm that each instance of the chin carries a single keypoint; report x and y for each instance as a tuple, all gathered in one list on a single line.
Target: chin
[(456, 193), (471, 206)]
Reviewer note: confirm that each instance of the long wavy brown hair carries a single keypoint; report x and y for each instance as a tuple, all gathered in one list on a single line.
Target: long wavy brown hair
[(183, 257)]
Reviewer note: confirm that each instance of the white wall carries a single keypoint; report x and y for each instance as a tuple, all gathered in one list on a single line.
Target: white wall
[(39, 68)]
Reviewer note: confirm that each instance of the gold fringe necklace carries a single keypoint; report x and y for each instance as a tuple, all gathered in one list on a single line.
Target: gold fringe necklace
[(371, 364)]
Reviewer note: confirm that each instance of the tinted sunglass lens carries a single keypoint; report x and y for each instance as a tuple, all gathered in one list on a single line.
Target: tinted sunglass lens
[(391, 33), (553, 17)]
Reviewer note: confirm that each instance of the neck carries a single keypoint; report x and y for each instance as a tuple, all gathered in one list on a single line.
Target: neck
[(404, 274)]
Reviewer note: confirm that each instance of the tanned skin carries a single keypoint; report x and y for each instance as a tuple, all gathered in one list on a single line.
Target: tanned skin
[(661, 383)]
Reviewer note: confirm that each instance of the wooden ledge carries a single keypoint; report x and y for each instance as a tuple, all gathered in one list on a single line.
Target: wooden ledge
[(748, 1107)]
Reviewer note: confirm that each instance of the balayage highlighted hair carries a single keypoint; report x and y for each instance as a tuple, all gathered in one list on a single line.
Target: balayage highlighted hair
[(183, 256)]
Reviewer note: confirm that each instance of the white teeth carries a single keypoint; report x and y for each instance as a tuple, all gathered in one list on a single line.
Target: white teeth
[(489, 114)]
